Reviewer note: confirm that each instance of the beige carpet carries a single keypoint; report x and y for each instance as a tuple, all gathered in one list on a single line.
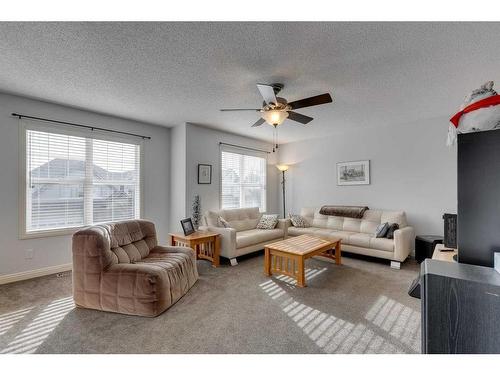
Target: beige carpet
[(359, 307)]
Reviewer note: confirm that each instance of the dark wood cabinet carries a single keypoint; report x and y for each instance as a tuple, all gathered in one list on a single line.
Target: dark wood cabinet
[(478, 173), (460, 308)]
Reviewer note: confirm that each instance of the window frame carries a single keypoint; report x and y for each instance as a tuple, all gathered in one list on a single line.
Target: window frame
[(244, 152), (23, 199)]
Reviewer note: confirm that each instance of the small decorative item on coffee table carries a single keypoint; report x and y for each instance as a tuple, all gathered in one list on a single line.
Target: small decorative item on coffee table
[(287, 257), (205, 243)]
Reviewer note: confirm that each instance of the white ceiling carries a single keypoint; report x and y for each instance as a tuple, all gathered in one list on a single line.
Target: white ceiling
[(171, 73)]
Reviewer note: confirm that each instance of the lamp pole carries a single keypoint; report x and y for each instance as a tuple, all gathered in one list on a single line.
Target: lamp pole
[(284, 196), (283, 168)]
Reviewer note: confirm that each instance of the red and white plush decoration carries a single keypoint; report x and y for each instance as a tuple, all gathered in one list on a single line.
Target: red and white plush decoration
[(479, 112)]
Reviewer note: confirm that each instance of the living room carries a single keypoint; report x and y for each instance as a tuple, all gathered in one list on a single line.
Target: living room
[(204, 188)]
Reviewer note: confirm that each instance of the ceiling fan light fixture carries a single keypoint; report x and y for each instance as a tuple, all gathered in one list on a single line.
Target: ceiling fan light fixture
[(275, 117)]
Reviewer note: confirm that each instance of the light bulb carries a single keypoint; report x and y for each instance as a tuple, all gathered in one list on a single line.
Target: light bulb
[(275, 116)]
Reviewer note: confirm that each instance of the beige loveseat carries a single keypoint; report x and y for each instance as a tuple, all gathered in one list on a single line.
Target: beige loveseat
[(242, 236), (119, 267), (358, 235)]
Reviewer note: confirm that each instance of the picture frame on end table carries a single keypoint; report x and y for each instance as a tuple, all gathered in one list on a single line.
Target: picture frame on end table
[(187, 226)]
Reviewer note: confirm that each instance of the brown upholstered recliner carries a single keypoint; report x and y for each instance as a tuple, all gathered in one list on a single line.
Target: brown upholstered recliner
[(119, 267)]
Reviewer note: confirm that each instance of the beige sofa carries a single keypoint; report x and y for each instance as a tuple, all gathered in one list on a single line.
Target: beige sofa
[(242, 236), (358, 235), (119, 267)]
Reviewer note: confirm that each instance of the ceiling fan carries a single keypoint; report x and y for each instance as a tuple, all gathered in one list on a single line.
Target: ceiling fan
[(275, 109)]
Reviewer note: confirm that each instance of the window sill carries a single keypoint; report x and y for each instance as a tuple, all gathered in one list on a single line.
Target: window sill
[(48, 233)]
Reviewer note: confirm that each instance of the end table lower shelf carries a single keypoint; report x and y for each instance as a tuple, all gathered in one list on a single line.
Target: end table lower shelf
[(205, 243)]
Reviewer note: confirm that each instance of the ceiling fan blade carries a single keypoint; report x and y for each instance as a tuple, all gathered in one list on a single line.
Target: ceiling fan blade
[(239, 109), (259, 122), (313, 100), (267, 93), (303, 119)]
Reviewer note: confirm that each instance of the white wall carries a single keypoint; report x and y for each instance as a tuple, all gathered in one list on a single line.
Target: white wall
[(203, 148), (54, 251), (411, 169), (178, 176)]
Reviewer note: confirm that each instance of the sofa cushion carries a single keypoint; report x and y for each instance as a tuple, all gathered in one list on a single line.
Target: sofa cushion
[(254, 236), (398, 217), (343, 235), (351, 225), (242, 218), (319, 221), (308, 214), (294, 231), (327, 234), (360, 239), (335, 222), (368, 226), (131, 240), (384, 244)]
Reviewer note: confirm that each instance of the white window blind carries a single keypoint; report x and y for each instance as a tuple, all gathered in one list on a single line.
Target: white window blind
[(73, 181), (243, 180)]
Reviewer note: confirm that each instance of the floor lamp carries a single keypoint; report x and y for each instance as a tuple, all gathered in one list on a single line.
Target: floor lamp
[(283, 168)]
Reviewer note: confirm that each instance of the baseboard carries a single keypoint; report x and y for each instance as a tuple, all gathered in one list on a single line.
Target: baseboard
[(25, 275)]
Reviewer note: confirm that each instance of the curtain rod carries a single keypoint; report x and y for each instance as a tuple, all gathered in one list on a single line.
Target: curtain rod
[(246, 148), (79, 125)]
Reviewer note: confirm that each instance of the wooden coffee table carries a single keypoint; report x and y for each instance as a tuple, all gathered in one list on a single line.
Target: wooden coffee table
[(287, 257), (205, 243)]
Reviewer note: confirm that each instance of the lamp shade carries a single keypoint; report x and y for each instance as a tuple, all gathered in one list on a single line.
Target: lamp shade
[(275, 116), (282, 167)]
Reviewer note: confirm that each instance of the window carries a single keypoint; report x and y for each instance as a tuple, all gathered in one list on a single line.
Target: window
[(243, 180), (72, 181)]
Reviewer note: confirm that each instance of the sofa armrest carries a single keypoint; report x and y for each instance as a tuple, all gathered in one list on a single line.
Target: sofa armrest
[(227, 240), (404, 239), (283, 224)]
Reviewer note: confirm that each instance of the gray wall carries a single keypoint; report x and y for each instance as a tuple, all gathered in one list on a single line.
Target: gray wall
[(54, 251), (411, 170), (203, 148)]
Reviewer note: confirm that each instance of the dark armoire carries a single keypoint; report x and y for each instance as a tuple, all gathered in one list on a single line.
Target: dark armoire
[(478, 197)]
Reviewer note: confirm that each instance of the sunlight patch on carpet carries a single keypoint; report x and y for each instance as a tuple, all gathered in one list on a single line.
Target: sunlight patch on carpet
[(335, 335), (40, 327)]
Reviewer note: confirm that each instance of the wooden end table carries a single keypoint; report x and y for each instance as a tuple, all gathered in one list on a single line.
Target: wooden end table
[(205, 243), (287, 257)]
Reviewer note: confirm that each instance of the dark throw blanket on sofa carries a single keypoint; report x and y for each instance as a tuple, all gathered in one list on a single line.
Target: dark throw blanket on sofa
[(355, 212)]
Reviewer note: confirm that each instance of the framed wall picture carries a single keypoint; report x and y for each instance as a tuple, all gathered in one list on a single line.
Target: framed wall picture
[(204, 174), (353, 172), (187, 226)]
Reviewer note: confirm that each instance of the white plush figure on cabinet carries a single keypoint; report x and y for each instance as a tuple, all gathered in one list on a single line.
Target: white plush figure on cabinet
[(479, 112)]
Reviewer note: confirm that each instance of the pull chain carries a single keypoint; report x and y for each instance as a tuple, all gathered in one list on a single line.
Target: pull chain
[(274, 131)]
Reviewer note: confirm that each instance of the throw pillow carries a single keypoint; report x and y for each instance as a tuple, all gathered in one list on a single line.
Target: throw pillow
[(381, 230), (390, 232), (268, 222), (222, 223), (298, 221)]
